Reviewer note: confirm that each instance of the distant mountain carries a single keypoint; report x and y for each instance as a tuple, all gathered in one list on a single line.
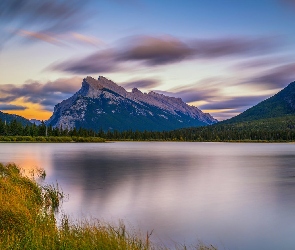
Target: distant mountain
[(280, 105), (102, 104), (35, 121), (8, 118)]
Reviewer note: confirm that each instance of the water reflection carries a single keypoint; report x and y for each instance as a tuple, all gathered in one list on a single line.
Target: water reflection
[(240, 196), (29, 156)]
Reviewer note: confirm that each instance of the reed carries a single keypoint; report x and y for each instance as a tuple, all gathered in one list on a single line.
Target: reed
[(28, 220)]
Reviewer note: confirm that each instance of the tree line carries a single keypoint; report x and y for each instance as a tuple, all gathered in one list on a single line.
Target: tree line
[(15, 128), (274, 129)]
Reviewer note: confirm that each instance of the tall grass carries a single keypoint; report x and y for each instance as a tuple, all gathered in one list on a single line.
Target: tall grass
[(28, 221)]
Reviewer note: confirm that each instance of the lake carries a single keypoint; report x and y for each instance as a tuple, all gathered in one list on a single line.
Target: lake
[(231, 195)]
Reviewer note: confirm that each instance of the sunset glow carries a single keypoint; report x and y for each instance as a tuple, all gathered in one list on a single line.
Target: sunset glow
[(222, 57)]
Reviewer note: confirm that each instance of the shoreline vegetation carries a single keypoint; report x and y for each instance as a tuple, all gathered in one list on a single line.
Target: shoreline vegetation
[(52, 139), (265, 131), (28, 220), (69, 139)]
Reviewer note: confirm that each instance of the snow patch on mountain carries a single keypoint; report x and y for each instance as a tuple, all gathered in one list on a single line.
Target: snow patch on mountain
[(105, 93)]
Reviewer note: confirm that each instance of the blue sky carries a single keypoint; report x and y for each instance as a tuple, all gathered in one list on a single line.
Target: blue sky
[(222, 56)]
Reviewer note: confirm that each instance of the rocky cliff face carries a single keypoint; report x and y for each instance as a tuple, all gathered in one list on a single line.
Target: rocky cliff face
[(102, 104)]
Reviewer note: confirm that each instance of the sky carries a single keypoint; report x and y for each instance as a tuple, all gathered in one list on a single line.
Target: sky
[(222, 56)]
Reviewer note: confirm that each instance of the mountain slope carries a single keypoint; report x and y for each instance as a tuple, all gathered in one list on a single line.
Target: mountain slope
[(8, 118), (279, 105), (270, 120), (102, 104)]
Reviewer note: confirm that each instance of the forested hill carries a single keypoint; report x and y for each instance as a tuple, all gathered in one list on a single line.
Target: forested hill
[(279, 105), (269, 129), (9, 118), (271, 120)]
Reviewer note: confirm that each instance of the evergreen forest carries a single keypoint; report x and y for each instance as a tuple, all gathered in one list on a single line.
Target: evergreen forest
[(278, 129)]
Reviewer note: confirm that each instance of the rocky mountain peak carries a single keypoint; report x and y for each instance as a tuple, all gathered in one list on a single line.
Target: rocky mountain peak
[(93, 88), (136, 91), (101, 103)]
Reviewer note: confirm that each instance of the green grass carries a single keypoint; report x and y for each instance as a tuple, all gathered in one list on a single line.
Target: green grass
[(28, 220)]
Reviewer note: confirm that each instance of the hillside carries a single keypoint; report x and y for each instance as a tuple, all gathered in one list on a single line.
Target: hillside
[(279, 105), (270, 120), (8, 118)]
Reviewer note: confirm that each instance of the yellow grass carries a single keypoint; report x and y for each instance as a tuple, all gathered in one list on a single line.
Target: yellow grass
[(27, 220)]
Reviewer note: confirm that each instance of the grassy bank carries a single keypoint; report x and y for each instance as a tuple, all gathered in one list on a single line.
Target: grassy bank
[(50, 139), (27, 220)]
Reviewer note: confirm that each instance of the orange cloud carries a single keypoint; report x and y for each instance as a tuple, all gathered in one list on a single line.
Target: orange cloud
[(32, 111), (44, 95), (39, 36), (87, 39)]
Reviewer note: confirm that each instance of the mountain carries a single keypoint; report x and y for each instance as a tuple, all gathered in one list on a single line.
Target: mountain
[(36, 121), (280, 105), (270, 120), (8, 118), (102, 104)]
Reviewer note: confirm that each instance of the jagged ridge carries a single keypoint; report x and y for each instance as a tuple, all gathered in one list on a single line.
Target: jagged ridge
[(102, 104)]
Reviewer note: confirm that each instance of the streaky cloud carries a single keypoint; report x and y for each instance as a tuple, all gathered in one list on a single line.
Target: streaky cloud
[(99, 62), (142, 83), (11, 107), (261, 62), (47, 95), (236, 46), (153, 51), (277, 77), (84, 39), (49, 38), (204, 90), (42, 17), (235, 103)]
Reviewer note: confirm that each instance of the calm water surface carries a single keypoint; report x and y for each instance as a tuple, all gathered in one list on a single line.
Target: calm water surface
[(235, 196)]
